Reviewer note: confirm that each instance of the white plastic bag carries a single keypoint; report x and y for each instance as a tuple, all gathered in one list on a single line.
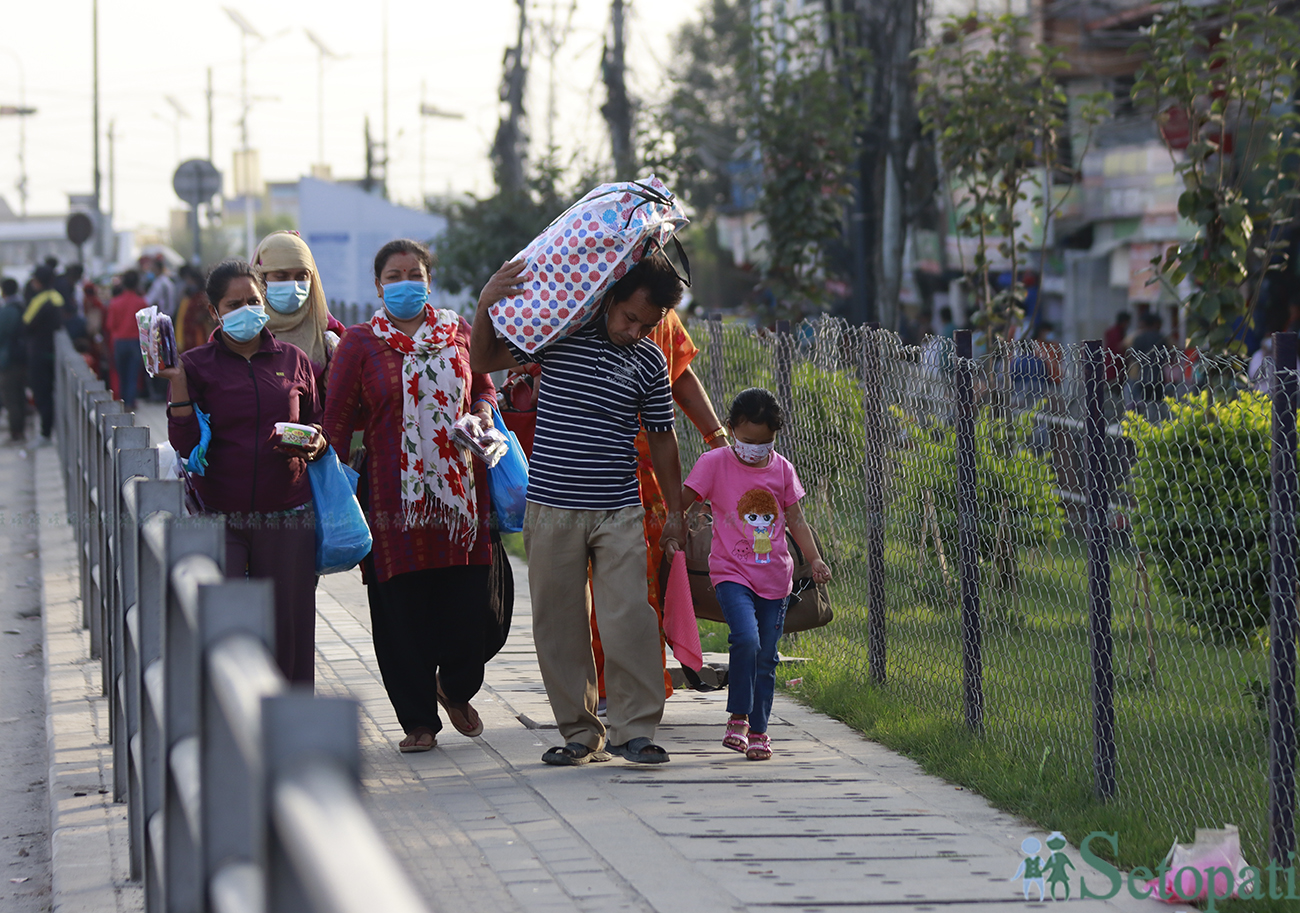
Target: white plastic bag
[(1200, 865)]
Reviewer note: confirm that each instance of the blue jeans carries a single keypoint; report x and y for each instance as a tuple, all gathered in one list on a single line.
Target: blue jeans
[(756, 625), (129, 363)]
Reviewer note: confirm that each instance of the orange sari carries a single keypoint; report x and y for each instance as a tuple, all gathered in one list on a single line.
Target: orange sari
[(673, 340)]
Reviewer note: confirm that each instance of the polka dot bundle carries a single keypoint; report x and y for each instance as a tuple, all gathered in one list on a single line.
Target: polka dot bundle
[(581, 254)]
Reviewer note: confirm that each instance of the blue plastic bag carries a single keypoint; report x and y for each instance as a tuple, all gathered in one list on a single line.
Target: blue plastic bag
[(197, 462), (508, 482), (342, 536)]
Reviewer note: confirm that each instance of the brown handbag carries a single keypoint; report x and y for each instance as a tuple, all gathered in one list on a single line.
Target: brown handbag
[(810, 602)]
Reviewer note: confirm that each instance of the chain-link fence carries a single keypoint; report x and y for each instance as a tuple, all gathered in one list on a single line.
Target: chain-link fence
[(1060, 551)]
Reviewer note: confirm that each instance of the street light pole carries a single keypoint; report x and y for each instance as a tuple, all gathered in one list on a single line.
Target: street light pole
[(426, 111), (323, 54), (21, 111), (94, 32)]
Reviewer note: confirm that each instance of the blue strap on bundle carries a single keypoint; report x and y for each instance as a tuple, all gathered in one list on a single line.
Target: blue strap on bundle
[(197, 462)]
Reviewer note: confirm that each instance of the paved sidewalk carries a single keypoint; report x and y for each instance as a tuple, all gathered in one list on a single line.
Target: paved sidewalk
[(833, 823)]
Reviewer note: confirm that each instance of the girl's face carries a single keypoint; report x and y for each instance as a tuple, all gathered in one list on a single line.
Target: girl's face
[(748, 432), (241, 291), (760, 522)]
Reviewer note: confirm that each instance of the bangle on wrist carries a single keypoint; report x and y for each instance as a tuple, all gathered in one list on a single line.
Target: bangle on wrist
[(182, 404), (720, 431)]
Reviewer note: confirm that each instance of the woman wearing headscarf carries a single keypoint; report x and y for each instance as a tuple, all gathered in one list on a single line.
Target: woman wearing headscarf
[(240, 384), (405, 377), (297, 310)]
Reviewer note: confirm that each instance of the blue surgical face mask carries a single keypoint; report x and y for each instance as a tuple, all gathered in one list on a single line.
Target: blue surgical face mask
[(242, 324), (287, 297), (406, 299)]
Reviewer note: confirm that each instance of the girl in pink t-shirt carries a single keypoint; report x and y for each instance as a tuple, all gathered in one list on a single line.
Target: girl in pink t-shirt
[(755, 496)]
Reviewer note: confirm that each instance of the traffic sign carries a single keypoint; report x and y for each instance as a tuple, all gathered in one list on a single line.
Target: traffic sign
[(196, 181), (79, 228)]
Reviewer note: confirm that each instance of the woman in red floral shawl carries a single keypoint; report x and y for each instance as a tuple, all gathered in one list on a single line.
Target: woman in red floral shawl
[(404, 377)]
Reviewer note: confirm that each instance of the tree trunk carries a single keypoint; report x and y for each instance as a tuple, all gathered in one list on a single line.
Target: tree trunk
[(510, 147), (617, 109)]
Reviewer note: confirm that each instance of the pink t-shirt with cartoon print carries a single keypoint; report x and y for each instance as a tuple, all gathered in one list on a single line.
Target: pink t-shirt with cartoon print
[(749, 505)]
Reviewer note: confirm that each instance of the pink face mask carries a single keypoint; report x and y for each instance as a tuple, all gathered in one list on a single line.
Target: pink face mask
[(753, 454)]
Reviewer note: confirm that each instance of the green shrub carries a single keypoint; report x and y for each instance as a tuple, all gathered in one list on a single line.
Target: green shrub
[(1201, 508), (1017, 503), (827, 426)]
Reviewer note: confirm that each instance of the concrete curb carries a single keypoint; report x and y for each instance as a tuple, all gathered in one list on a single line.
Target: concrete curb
[(89, 853)]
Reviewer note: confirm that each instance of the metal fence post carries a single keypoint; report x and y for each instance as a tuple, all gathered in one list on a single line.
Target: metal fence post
[(234, 824), (183, 882), (782, 358), (873, 404), (93, 528), (110, 544), (1096, 481), (295, 728), (130, 462), (717, 361), (967, 534), (1282, 591)]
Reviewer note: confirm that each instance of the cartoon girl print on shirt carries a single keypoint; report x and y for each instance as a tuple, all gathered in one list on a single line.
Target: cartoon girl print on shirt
[(758, 511)]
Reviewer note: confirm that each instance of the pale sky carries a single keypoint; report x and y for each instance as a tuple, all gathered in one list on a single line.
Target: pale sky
[(150, 49)]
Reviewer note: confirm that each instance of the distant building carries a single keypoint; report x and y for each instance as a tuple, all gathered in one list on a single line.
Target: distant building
[(27, 240)]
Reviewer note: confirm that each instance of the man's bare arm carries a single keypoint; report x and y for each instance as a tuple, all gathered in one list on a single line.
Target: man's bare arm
[(488, 351)]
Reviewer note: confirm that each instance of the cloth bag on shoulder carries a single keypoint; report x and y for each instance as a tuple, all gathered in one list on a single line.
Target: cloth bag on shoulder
[(581, 254), (810, 602)]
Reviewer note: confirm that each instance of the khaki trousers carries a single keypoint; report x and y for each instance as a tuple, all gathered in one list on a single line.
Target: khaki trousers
[(560, 544)]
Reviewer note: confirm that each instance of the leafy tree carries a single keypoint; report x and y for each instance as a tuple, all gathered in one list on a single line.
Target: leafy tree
[(805, 106), (1222, 81), (998, 112), (483, 234)]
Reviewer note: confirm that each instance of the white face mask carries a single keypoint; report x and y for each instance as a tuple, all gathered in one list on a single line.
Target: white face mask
[(753, 454)]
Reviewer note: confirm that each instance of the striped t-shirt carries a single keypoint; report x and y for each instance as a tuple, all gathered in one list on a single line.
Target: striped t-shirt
[(595, 396)]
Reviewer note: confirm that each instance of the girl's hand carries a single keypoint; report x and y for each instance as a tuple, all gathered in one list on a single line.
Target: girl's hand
[(673, 537), (821, 573)]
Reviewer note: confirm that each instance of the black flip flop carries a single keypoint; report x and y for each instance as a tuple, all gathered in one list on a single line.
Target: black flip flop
[(574, 754), (641, 750)]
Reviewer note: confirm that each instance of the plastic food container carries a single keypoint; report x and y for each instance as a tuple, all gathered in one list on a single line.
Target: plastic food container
[(293, 434)]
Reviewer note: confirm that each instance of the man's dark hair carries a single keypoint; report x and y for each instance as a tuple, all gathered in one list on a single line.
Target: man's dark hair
[(1152, 320), (74, 271), (223, 274), (1123, 317), (403, 246), (758, 406), (52, 262), (130, 280), (945, 314), (656, 275), (8, 287), (45, 276)]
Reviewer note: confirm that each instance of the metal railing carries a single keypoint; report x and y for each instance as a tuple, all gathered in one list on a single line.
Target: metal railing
[(242, 793)]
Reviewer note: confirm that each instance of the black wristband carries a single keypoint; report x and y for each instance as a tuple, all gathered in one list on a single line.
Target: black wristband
[(188, 402)]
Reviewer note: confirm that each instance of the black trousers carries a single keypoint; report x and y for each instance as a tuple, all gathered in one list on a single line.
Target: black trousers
[(429, 625), (14, 392)]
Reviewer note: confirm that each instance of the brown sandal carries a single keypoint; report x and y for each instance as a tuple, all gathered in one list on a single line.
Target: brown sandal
[(415, 740), (466, 721)]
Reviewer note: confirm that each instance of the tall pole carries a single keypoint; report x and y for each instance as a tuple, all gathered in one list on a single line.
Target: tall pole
[(320, 107), (617, 109), (94, 56), (424, 190), (112, 171), (385, 56), (209, 114), (22, 112)]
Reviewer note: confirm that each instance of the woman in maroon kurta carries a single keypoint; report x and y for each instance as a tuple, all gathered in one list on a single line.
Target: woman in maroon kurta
[(245, 380), (405, 378)]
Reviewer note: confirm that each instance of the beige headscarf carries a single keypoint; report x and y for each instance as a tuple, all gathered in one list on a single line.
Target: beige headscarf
[(306, 326)]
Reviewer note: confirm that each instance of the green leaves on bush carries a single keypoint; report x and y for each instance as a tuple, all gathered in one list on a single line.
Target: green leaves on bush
[(1201, 492), (1018, 505)]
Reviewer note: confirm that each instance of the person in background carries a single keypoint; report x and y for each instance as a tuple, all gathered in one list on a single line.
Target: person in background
[(1150, 357), (244, 381), (947, 326), (298, 311), (123, 335), (42, 318), (406, 377), (162, 290), (1115, 341), (194, 324), (689, 394), (13, 361)]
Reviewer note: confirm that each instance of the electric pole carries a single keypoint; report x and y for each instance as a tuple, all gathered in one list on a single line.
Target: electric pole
[(94, 57), (510, 147)]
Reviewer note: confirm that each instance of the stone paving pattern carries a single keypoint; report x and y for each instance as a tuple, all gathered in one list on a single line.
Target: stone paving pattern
[(833, 823)]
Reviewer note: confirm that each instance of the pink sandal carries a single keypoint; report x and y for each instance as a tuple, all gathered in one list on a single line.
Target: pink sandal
[(760, 747), (735, 737)]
